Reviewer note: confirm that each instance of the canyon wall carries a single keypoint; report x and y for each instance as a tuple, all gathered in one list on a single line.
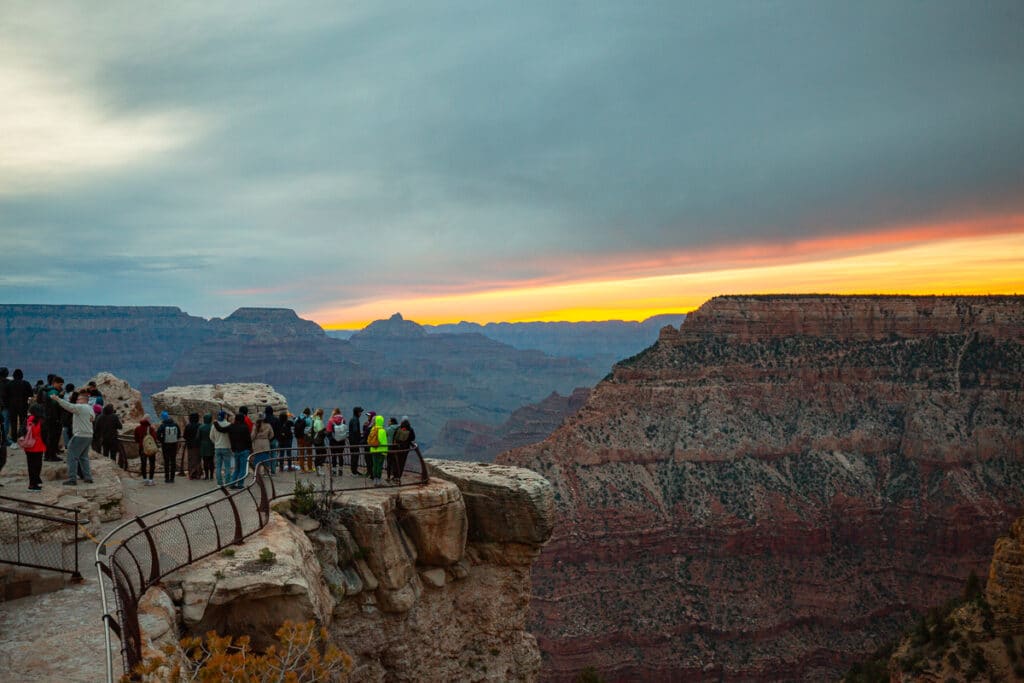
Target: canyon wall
[(771, 490)]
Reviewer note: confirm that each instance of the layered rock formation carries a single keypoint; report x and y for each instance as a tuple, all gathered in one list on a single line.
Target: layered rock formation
[(127, 400), (479, 442), (211, 398), (427, 583), (769, 491)]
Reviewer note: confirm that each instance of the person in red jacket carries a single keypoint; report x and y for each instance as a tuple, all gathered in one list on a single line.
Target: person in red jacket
[(34, 447)]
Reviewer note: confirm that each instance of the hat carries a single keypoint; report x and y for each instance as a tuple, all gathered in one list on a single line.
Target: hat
[(97, 408), (164, 415)]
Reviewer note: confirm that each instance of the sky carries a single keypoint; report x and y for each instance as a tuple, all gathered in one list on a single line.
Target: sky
[(492, 161)]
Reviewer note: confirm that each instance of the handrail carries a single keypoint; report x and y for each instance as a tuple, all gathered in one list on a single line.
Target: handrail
[(139, 560), (48, 563)]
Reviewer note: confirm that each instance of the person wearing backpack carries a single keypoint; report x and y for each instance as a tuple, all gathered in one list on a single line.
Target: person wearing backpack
[(377, 440), (145, 439), (303, 423), (337, 435), (168, 435), (319, 438), (355, 439), (405, 437)]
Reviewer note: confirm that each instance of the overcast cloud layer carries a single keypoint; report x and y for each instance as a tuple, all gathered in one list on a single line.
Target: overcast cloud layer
[(313, 154)]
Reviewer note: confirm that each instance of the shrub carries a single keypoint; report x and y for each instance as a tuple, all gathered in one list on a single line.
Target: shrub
[(301, 655), (303, 498), (267, 556)]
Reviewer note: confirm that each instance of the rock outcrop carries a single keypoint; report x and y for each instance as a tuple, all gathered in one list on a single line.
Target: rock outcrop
[(127, 400), (422, 583), (1005, 588), (772, 489), (210, 398)]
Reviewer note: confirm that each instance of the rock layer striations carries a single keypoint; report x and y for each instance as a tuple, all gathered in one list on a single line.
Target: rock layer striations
[(769, 491)]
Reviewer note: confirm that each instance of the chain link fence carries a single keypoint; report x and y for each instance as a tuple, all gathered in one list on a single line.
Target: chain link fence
[(39, 536)]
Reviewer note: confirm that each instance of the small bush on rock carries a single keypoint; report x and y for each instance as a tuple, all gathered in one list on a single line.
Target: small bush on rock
[(301, 655)]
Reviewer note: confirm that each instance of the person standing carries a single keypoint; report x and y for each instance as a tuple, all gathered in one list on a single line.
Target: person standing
[(222, 456), (106, 428), (34, 445), (81, 436), (285, 434), (355, 439), (275, 442), (54, 414), (206, 454), (19, 391), (391, 465), (168, 435), (318, 437), (261, 436), (241, 447), (377, 440), (337, 435), (195, 464), (405, 437), (5, 411), (147, 449), (303, 439)]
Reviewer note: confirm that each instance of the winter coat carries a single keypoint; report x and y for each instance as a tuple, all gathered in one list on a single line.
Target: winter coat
[(205, 431), (262, 433), (140, 433), (238, 435), (36, 427), (382, 435)]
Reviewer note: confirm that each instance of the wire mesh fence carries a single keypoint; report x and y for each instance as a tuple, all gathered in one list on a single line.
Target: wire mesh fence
[(138, 553), (39, 536)]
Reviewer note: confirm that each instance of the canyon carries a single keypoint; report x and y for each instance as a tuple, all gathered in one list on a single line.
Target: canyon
[(772, 489)]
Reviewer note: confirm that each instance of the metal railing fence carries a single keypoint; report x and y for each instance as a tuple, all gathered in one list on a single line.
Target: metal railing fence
[(42, 538), (149, 547)]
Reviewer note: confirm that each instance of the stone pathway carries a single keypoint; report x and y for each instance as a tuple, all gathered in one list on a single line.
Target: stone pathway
[(59, 636)]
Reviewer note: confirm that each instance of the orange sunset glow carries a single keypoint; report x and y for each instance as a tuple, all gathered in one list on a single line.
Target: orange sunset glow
[(917, 264)]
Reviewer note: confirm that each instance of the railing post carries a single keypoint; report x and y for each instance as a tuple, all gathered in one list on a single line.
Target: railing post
[(154, 572), (238, 518), (76, 577)]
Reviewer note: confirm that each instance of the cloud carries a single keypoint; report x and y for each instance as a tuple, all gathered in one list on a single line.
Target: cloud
[(320, 156)]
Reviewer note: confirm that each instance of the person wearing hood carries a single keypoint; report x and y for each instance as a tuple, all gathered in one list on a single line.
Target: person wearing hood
[(107, 427), (206, 445), (223, 460), (241, 446), (195, 464), (168, 435), (149, 460), (405, 437), (355, 439), (378, 441)]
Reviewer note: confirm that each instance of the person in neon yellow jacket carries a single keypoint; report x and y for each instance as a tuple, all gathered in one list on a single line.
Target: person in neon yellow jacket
[(379, 451)]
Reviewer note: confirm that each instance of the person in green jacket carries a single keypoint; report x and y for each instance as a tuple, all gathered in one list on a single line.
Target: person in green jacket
[(206, 452), (378, 440)]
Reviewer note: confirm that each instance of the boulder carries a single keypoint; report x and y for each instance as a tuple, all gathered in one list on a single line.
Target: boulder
[(244, 596), (127, 401), (434, 518), (180, 401), (504, 504)]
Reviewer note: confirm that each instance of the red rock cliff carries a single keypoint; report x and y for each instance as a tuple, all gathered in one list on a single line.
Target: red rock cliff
[(769, 491)]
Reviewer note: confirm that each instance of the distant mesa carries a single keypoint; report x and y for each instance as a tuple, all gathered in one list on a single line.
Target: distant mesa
[(395, 327)]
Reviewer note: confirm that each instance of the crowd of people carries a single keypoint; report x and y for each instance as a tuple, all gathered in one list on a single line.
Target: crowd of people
[(54, 418), (48, 415)]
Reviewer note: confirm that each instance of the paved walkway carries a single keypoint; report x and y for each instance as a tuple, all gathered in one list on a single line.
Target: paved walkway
[(59, 636)]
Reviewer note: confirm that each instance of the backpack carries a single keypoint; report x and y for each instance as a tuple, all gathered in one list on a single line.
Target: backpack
[(170, 433), (149, 446), (300, 426), (340, 431), (402, 436), (318, 438), (374, 437)]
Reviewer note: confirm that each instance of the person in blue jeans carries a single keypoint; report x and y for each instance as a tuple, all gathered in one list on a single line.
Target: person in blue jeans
[(223, 460), (241, 446)]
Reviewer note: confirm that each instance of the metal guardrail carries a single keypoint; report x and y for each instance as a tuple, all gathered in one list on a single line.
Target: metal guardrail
[(147, 548), (20, 541)]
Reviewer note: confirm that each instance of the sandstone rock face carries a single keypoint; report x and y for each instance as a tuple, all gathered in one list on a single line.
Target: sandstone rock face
[(1005, 588), (242, 594), (210, 398), (774, 463), (411, 598), (127, 401)]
